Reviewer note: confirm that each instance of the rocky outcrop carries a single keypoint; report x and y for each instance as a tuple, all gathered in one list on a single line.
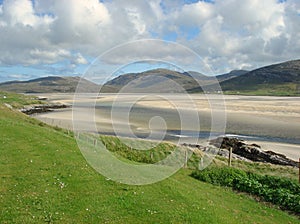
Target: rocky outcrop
[(42, 108), (252, 152)]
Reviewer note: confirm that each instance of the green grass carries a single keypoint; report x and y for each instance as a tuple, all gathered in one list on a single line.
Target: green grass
[(45, 179), (283, 192), (157, 152), (288, 89), (260, 168), (17, 100)]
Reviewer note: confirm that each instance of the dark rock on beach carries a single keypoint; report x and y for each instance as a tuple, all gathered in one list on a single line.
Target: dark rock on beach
[(252, 152), (43, 108)]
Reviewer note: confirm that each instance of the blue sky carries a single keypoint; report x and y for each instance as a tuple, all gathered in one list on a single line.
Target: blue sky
[(62, 37)]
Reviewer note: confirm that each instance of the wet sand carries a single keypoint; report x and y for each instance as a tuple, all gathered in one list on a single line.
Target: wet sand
[(275, 119)]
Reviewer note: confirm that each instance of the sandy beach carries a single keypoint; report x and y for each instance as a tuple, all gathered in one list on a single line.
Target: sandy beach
[(276, 120)]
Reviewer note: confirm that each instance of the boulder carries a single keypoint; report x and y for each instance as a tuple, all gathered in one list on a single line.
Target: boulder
[(252, 152), (42, 108)]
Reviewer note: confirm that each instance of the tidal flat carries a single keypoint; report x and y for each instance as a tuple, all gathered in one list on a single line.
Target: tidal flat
[(272, 122)]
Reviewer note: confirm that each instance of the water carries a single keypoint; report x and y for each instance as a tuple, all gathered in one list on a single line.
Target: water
[(140, 116), (206, 135)]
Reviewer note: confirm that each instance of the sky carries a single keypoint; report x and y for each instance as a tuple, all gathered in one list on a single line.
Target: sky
[(63, 37)]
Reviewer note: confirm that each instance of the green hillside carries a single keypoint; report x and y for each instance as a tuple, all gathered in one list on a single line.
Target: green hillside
[(45, 179), (158, 80), (278, 79)]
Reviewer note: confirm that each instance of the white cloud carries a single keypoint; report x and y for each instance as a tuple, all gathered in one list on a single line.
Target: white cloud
[(248, 33), (230, 33), (262, 18), (79, 59), (49, 32), (49, 56), (78, 21), (148, 49), (19, 76), (194, 14), (19, 12)]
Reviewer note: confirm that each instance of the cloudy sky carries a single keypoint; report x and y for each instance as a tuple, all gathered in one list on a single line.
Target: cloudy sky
[(62, 37)]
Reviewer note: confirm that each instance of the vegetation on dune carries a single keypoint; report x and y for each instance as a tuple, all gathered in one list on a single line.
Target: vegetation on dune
[(16, 100), (280, 191), (121, 149), (277, 190), (45, 179), (156, 152), (260, 168)]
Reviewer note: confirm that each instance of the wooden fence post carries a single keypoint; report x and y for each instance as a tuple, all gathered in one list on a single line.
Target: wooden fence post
[(200, 167), (186, 158), (299, 170), (230, 157)]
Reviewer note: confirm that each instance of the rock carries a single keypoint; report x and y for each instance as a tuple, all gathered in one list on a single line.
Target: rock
[(226, 143), (42, 98), (255, 145), (42, 108), (252, 152)]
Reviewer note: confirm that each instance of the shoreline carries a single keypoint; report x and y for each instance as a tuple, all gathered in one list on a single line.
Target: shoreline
[(291, 150), (272, 122)]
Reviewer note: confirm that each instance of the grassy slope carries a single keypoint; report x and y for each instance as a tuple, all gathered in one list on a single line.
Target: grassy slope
[(287, 89), (281, 79), (17, 100), (261, 168), (45, 178)]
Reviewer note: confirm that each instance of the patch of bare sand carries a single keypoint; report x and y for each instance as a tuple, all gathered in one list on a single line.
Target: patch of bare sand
[(264, 105)]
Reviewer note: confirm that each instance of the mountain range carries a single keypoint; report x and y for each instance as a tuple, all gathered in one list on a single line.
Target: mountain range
[(277, 79)]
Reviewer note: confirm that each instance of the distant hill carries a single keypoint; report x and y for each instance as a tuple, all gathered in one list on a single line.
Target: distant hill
[(277, 79), (210, 84), (231, 75), (49, 84), (159, 80)]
